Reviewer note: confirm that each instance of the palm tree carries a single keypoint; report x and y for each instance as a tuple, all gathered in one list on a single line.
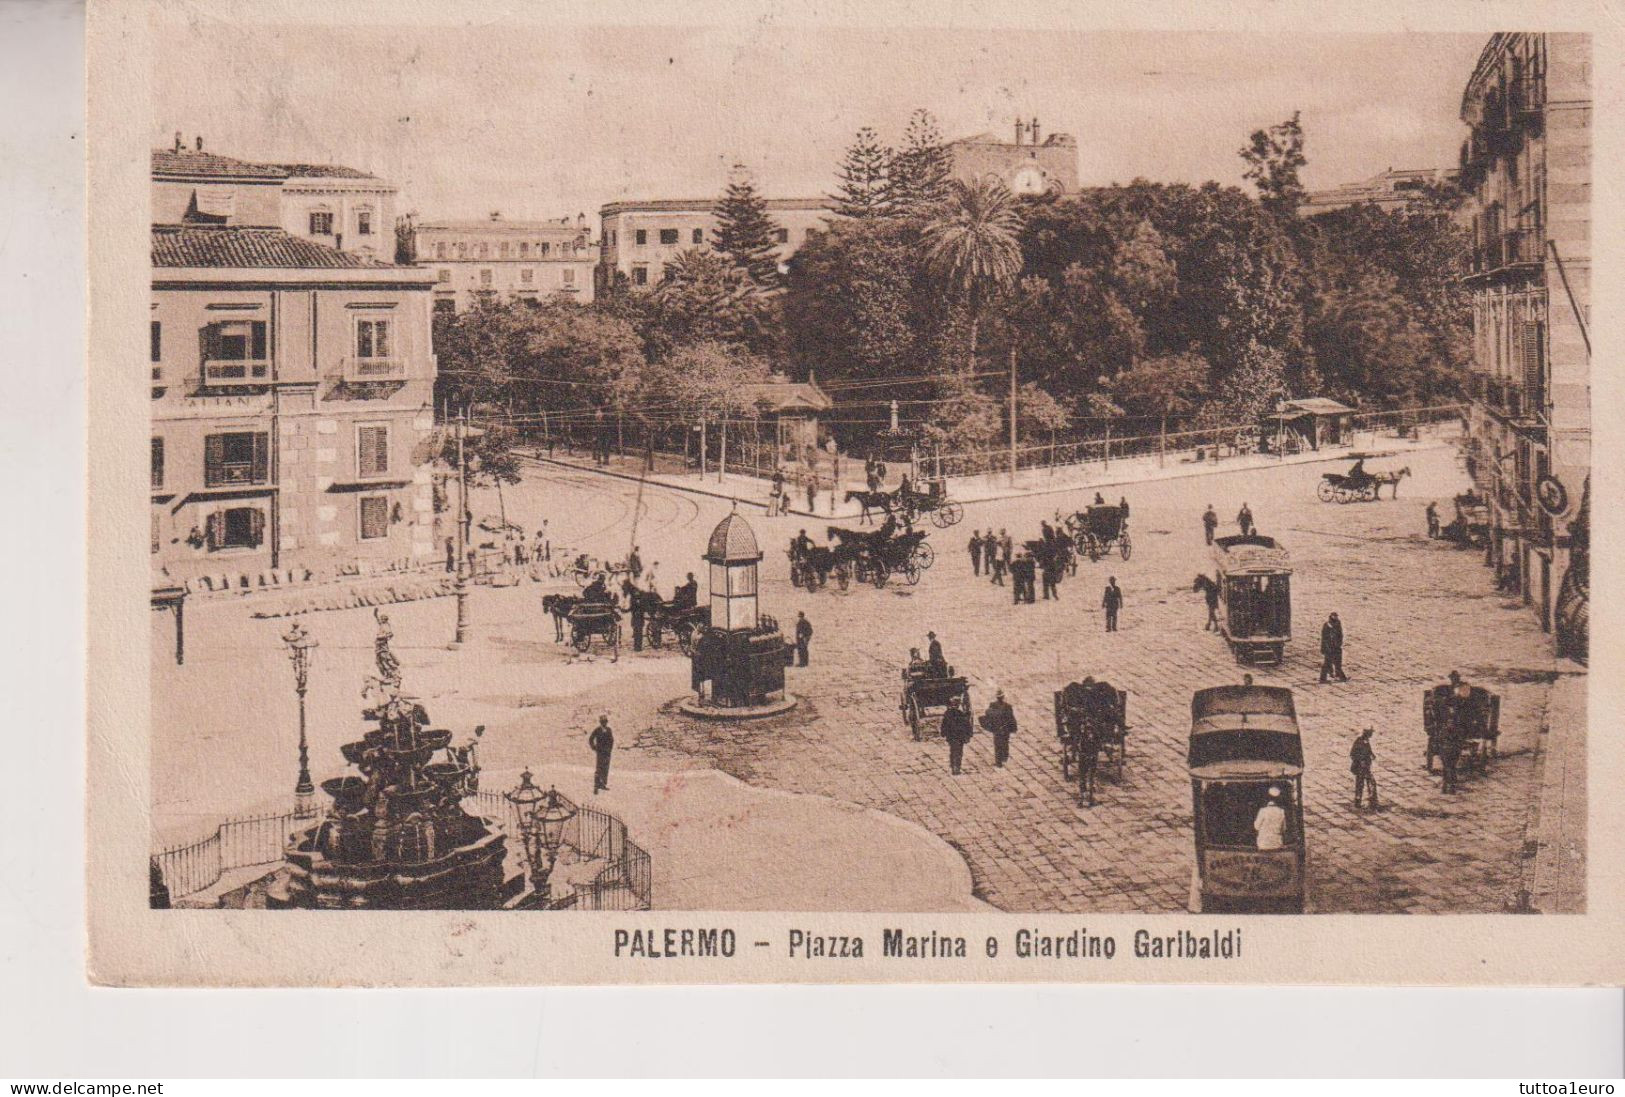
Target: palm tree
[(971, 245)]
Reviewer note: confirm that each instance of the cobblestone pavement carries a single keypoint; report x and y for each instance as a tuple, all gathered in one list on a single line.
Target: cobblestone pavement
[(1413, 610)]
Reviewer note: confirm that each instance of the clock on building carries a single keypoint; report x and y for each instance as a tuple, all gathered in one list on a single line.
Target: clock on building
[(1028, 179)]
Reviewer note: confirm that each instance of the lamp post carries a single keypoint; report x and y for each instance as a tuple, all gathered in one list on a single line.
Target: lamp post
[(464, 517), (300, 643), (542, 816)]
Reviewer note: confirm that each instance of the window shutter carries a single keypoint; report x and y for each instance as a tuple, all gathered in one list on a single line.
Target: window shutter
[(157, 463), (256, 526), (261, 472), (214, 530), (373, 444), (214, 456), (155, 523), (1533, 381)]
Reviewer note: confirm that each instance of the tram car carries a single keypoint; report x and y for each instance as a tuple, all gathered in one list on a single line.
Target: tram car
[(1254, 577), (1246, 770)]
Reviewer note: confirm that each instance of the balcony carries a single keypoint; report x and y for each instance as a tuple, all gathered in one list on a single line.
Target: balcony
[(235, 372), (233, 474), (1507, 250), (367, 371)]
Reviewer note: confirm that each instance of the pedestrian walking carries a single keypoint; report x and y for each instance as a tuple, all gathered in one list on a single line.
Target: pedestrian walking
[(1050, 566), (1210, 593), (1244, 520), (602, 742), (1360, 758), (1210, 522), (956, 729), (1007, 548), (812, 492), (635, 604), (775, 500), (634, 563), (990, 555), (1433, 521), (804, 634), (1112, 601), (1331, 650), (1000, 721), (976, 552)]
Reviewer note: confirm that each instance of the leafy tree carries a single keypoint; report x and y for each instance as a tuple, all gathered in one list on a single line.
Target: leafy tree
[(862, 192), (745, 232), (919, 172), (1039, 415), (705, 298), (1274, 157), (1170, 386), (972, 247)]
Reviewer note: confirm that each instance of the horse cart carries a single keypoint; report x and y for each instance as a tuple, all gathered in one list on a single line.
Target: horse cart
[(1465, 719), (1091, 722), (1254, 577), (933, 502), (1099, 529), (1246, 768), (875, 557), (1358, 485), (927, 696), (594, 620), (1471, 526), (682, 622)]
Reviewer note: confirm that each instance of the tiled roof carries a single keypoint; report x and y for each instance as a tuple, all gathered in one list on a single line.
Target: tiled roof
[(169, 162), (245, 246), (324, 171), (788, 395)]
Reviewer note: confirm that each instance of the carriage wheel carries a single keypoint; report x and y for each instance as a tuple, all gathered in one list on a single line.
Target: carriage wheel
[(914, 717), (1068, 755), (653, 634), (1092, 543), (795, 574), (1124, 545), (911, 572), (924, 555), (1075, 527), (953, 513), (1326, 492), (685, 638)]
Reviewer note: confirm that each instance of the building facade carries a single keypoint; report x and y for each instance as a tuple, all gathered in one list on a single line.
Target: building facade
[(1390, 190), (638, 239), (1526, 171), (515, 260), (1026, 165), (342, 208), (292, 390)]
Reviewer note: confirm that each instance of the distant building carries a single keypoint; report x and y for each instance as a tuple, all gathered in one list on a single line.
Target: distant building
[(1389, 190), (515, 260), (292, 388), (793, 408), (637, 239), (1526, 173), (343, 208), (1026, 165)]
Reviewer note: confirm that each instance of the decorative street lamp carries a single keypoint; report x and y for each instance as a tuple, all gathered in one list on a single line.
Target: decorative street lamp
[(464, 534), (299, 644), (542, 816)]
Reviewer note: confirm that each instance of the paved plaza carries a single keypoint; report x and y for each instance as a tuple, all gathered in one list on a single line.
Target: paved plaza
[(1412, 610)]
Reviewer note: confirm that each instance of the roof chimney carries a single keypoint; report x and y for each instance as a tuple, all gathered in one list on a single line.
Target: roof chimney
[(1035, 129), (200, 142), (179, 144)]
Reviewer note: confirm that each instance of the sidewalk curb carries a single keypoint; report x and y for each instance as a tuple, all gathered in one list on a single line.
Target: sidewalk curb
[(1212, 470)]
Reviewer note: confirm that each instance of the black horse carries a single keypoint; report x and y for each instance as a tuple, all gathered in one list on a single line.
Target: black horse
[(558, 606), (870, 500)]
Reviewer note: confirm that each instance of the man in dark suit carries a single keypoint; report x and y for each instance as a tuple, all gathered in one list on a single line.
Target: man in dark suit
[(804, 634), (1331, 650), (956, 729), (934, 656), (602, 742), (1000, 721), (976, 552), (1112, 601)]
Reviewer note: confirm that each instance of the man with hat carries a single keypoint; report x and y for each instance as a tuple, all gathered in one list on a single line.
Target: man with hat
[(934, 656), (956, 729), (1000, 721), (602, 742), (1361, 757), (1331, 650), (1270, 822)]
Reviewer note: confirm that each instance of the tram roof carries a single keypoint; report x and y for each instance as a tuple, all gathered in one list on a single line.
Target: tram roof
[(1251, 554), (1244, 731)]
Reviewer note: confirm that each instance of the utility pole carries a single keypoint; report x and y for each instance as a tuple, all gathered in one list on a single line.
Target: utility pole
[(462, 537), (1012, 415)]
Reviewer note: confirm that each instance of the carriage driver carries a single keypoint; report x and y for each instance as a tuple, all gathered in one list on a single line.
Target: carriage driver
[(687, 595), (1358, 474), (804, 544), (917, 666), (597, 592)]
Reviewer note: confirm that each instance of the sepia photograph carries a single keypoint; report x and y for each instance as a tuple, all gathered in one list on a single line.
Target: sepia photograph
[(993, 496)]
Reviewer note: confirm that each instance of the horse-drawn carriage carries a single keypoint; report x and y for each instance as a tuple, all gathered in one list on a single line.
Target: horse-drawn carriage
[(1358, 485), (1099, 529), (683, 621), (1253, 574), (875, 557), (1468, 715), (928, 691), (909, 504), (1246, 767), (1091, 722), (595, 620), (1471, 526)]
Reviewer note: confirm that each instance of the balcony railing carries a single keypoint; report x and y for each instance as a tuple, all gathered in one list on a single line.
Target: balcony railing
[(1520, 247), (225, 372), (232, 474), (372, 370)]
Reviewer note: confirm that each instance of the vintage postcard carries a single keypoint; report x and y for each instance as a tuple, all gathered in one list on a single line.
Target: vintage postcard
[(688, 494)]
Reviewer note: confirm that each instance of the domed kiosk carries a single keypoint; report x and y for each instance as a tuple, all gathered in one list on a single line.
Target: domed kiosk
[(737, 665)]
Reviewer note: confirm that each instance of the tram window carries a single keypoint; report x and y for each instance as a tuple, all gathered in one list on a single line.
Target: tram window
[(1229, 808)]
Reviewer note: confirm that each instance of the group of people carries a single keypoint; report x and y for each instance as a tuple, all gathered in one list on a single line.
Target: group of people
[(1210, 522), (999, 721)]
